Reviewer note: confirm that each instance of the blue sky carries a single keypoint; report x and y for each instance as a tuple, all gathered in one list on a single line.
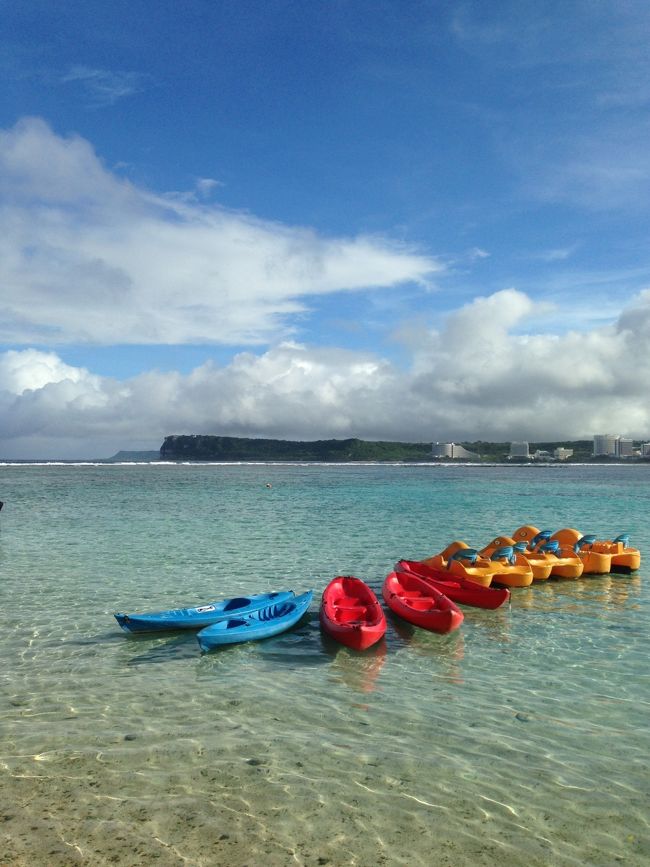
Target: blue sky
[(392, 220)]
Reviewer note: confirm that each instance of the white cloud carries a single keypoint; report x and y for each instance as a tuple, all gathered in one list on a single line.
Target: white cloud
[(558, 254), (474, 379), (206, 186), (106, 86), (31, 369), (87, 257)]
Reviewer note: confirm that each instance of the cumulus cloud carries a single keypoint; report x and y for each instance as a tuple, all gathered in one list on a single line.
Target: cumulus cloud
[(31, 369), (477, 377), (86, 256)]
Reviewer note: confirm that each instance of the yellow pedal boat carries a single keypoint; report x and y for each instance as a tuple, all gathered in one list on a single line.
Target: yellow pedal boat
[(539, 562), (565, 562), (500, 567), (594, 562), (459, 559), (623, 558)]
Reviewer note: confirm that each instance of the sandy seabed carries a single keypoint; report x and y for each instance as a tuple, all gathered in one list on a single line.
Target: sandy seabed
[(250, 811)]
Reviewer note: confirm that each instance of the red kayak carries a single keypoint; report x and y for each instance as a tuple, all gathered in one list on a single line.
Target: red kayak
[(455, 587), (350, 612), (417, 601)]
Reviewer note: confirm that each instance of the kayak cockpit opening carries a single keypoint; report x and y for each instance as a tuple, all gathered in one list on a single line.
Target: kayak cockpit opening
[(236, 623), (238, 602)]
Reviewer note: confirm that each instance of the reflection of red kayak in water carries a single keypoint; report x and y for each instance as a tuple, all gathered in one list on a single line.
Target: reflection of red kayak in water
[(350, 613), (418, 602), (360, 671), (455, 587)]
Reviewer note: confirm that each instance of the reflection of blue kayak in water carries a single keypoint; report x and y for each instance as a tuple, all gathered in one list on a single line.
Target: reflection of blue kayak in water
[(262, 623), (202, 615)]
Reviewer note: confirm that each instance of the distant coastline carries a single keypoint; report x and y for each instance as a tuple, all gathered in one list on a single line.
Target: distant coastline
[(215, 449), (201, 447)]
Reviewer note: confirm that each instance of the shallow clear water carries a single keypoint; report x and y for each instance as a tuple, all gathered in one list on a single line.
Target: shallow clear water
[(522, 738)]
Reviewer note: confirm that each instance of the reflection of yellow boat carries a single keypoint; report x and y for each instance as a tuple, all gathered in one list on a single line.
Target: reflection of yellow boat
[(565, 562), (500, 567), (594, 562), (539, 563)]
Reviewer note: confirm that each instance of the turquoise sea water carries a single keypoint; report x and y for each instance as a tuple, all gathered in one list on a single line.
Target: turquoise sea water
[(523, 738)]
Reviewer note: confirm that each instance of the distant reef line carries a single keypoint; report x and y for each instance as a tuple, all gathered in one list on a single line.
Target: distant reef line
[(203, 447)]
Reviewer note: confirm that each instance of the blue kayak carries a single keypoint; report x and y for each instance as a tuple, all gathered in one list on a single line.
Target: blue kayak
[(202, 615), (262, 623)]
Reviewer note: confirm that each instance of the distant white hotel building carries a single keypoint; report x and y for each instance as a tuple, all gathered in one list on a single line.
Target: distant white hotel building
[(605, 445), (519, 451), (625, 447), (613, 446), (454, 451)]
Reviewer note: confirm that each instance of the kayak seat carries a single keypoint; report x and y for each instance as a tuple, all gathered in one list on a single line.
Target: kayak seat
[(239, 602), (348, 601), (423, 603), (235, 623), (358, 608), (351, 615)]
